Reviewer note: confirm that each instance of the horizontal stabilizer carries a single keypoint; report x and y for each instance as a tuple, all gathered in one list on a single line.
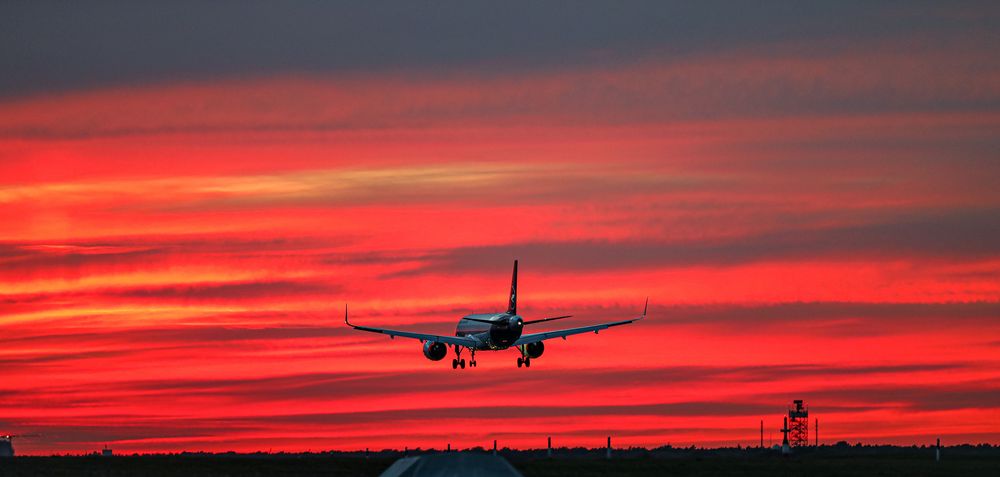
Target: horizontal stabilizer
[(480, 320), (554, 318)]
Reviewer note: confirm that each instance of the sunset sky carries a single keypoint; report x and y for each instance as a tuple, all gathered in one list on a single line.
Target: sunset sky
[(809, 195)]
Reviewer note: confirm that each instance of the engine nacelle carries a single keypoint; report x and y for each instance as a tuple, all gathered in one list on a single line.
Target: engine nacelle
[(535, 349), (434, 350)]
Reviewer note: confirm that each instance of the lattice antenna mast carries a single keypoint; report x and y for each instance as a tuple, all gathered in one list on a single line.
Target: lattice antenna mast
[(798, 424)]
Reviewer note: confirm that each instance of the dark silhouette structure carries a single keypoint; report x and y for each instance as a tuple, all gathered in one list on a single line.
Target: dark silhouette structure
[(798, 424), (6, 446), (785, 448)]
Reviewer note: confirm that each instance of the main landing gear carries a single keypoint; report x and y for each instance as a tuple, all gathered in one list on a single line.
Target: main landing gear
[(524, 359), (459, 361)]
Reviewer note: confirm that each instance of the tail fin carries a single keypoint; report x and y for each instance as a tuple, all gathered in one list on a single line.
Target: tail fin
[(512, 303)]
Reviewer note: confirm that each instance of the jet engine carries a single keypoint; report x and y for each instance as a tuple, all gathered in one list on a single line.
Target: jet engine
[(535, 349), (434, 350)]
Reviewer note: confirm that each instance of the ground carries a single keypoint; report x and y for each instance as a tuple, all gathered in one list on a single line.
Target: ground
[(917, 462)]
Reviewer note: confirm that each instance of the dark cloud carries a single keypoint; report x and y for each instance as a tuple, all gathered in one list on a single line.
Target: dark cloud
[(110, 250), (233, 292), (107, 429), (48, 358), (132, 341), (53, 45), (720, 409), (226, 291), (867, 316), (26, 259), (347, 385), (962, 234), (742, 85), (914, 397), (80, 258)]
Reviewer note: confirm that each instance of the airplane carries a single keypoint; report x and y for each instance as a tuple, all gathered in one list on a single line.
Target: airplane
[(493, 332)]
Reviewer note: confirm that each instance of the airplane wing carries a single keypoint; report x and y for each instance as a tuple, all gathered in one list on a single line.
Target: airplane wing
[(545, 335), (452, 340)]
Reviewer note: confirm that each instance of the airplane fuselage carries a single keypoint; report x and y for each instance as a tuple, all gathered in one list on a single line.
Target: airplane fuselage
[(501, 331)]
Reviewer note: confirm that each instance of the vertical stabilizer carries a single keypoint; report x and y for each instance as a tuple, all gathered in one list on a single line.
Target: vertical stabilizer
[(512, 303)]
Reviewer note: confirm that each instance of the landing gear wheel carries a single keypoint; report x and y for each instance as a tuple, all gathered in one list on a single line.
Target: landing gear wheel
[(462, 363), (520, 362), (454, 364), (527, 362)]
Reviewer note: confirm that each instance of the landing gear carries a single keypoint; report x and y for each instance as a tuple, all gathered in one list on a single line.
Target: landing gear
[(524, 359), (472, 362), (459, 361)]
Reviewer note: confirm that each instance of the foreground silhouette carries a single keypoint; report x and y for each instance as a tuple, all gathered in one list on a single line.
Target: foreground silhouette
[(842, 459)]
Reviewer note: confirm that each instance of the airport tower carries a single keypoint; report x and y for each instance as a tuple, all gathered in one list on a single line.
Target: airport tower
[(798, 424)]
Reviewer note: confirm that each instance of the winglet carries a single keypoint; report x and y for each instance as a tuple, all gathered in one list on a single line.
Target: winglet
[(345, 316), (644, 307)]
